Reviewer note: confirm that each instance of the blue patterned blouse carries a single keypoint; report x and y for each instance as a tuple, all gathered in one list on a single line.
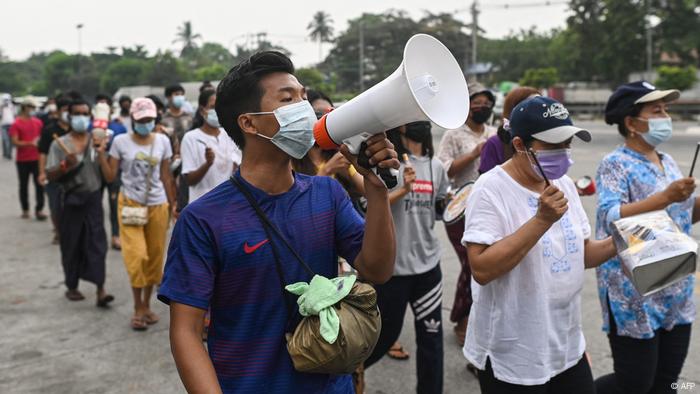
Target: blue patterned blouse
[(626, 176)]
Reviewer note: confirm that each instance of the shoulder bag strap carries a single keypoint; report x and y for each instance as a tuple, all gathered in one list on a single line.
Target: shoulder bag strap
[(150, 171)]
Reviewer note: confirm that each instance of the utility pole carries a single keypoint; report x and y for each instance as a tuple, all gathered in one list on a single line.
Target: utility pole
[(475, 29), (362, 57), (649, 40)]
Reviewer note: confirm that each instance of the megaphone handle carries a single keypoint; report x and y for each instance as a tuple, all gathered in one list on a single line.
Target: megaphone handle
[(387, 177), (384, 174)]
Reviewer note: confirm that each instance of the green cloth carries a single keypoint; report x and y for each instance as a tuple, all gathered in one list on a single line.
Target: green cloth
[(318, 298)]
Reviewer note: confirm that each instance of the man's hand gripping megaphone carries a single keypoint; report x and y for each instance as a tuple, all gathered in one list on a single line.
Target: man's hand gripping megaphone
[(374, 157)]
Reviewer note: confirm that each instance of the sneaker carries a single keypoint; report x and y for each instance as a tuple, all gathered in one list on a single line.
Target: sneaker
[(40, 216)]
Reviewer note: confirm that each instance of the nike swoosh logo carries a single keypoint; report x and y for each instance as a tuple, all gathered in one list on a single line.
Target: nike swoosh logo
[(250, 249)]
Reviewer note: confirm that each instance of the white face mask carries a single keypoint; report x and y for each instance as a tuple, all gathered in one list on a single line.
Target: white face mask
[(296, 134), (212, 118)]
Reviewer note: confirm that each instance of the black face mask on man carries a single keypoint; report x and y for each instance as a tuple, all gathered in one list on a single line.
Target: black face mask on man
[(480, 114)]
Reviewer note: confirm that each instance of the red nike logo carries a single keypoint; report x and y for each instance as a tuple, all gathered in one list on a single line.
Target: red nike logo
[(250, 249)]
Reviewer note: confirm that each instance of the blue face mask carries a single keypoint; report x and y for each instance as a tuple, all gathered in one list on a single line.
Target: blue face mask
[(660, 131), (178, 101), (143, 129), (212, 119), (80, 123), (296, 135)]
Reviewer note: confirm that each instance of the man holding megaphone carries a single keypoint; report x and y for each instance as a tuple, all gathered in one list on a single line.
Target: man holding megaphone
[(222, 257)]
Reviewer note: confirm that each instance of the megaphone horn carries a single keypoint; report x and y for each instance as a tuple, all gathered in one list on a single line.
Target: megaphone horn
[(428, 85)]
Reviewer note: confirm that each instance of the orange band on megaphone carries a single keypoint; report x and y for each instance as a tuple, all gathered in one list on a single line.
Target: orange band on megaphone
[(323, 139)]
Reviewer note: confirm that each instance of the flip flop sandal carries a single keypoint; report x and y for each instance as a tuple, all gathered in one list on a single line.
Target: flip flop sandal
[(151, 318), (138, 324), (104, 301), (397, 353)]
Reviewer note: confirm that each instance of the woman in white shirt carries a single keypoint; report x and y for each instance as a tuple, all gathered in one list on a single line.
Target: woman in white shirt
[(209, 155), (528, 243)]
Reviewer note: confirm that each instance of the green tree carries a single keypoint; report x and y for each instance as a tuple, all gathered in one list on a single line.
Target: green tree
[(513, 55), (211, 53), (137, 52), (678, 33), (315, 79), (65, 72), (449, 31), (262, 44), (188, 38), (540, 77), (164, 68), (13, 79), (214, 72), (671, 77), (321, 30), (124, 72), (384, 38)]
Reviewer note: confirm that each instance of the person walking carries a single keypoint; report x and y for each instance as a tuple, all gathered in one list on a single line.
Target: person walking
[(25, 133), (72, 164), (527, 236), (144, 160), (649, 335), (7, 118)]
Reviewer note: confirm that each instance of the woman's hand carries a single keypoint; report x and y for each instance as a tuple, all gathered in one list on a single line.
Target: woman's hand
[(409, 178), (680, 190), (552, 205)]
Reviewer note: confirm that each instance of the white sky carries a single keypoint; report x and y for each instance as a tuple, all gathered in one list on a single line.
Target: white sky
[(43, 25)]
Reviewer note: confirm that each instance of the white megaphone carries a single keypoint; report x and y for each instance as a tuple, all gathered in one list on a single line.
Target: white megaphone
[(428, 85)]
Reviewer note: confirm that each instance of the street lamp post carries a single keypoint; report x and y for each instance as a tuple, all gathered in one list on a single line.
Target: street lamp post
[(79, 27)]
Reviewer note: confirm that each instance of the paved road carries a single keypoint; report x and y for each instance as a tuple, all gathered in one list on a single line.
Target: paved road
[(50, 345)]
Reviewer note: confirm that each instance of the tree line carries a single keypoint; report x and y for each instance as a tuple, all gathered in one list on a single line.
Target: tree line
[(603, 41)]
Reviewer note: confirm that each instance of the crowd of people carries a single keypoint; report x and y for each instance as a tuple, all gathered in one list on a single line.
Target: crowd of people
[(523, 241)]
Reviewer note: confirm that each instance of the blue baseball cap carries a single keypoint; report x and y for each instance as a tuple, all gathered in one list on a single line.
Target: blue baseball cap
[(626, 96), (544, 119)]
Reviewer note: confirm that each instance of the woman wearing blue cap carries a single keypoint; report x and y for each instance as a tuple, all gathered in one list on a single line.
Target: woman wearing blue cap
[(649, 336), (527, 236)]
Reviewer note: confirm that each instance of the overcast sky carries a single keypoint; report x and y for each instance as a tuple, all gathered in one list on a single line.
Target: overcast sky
[(44, 25)]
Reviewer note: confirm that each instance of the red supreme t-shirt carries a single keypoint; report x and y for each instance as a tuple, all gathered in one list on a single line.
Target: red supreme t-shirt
[(26, 130)]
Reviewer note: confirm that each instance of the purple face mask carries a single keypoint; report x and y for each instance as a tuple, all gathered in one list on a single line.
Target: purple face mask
[(555, 163)]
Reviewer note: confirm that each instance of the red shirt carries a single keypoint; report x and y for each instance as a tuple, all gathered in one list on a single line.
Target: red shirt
[(27, 130)]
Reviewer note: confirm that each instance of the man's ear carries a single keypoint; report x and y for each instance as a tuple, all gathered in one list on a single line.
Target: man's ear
[(245, 122)]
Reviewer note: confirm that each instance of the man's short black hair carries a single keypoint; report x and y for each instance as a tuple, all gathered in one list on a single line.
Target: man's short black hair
[(124, 98), (240, 92), (157, 101), (76, 102), (62, 101), (102, 96), (174, 89)]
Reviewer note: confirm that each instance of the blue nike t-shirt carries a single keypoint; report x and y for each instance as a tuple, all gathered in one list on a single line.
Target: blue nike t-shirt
[(220, 258)]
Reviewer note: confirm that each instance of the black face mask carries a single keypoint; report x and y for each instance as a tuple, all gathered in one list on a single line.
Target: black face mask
[(481, 114), (418, 132)]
